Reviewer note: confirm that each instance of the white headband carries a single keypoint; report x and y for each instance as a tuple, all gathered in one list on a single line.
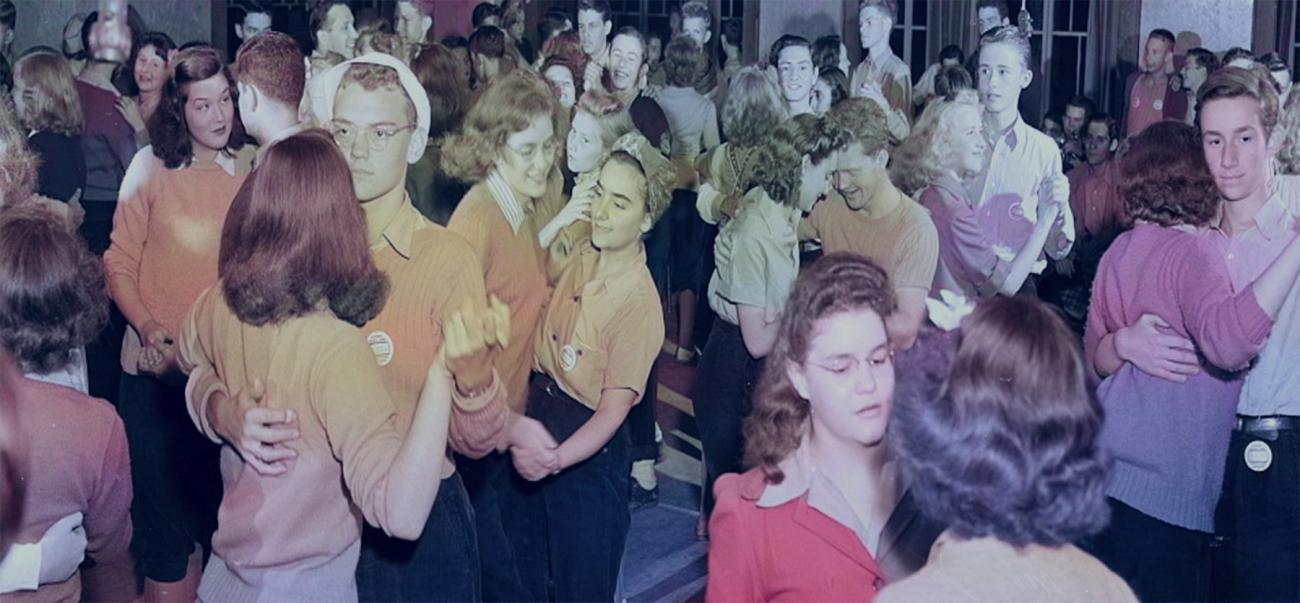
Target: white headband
[(324, 87)]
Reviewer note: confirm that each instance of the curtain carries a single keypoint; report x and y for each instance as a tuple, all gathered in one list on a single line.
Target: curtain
[(950, 22), (1274, 27), (1113, 42)]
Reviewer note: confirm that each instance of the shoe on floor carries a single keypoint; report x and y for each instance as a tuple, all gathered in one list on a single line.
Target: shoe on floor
[(641, 497)]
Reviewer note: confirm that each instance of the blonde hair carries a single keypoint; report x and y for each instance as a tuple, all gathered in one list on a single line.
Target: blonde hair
[(17, 162), (923, 158), (506, 107), (55, 106)]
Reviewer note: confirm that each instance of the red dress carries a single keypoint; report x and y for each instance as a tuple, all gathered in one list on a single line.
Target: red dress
[(783, 550)]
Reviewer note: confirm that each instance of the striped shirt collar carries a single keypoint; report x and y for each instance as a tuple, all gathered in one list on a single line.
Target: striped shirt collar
[(506, 200)]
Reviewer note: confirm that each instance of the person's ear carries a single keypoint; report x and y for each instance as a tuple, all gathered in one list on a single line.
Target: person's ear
[(708, 35), (1114, 145), (419, 140), (426, 23), (1027, 78), (798, 380), (880, 157), (609, 26), (239, 31), (647, 221), (643, 79)]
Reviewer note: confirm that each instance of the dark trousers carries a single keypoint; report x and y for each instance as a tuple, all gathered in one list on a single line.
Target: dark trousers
[(1259, 520), (175, 478), (442, 565), (641, 422), (1160, 561), (723, 388), (569, 530), (487, 481)]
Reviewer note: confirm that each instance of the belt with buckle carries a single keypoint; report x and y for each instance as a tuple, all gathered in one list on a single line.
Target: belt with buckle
[(1267, 425)]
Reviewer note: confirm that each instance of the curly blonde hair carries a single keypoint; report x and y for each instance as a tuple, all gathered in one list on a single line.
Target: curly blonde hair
[(17, 162), (505, 108), (926, 155)]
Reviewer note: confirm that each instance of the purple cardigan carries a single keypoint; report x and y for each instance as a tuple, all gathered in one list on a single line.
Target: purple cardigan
[(1169, 439)]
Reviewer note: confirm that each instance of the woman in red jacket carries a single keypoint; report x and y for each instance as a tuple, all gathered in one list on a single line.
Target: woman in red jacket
[(804, 524)]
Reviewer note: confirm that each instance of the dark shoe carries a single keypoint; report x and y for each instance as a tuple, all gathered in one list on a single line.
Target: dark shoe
[(640, 497)]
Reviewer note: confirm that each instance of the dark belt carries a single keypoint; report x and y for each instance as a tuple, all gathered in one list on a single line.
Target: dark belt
[(1268, 426)]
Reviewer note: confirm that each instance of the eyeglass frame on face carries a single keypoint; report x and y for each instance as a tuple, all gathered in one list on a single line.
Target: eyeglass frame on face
[(854, 366), (377, 136), (551, 146)]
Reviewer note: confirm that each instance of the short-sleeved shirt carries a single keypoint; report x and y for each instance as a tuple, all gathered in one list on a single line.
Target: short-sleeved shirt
[(601, 333), (757, 258), (1019, 162), (894, 77), (903, 241)]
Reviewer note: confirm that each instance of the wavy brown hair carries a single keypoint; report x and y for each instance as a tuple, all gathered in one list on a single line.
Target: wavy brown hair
[(167, 130), (1007, 446), (1164, 178), (438, 69), (295, 239), (838, 282), (776, 167), (53, 293), (505, 108)]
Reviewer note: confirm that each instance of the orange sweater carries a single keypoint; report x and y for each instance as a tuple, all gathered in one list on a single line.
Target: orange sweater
[(166, 236), (514, 269)]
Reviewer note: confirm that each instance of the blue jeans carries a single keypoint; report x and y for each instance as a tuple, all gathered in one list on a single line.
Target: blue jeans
[(569, 530), (442, 565)]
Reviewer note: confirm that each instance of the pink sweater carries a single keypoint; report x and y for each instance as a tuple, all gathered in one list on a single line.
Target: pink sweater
[(79, 464), (1169, 439)]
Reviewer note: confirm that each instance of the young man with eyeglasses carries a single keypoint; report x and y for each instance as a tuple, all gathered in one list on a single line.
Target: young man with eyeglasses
[(378, 115)]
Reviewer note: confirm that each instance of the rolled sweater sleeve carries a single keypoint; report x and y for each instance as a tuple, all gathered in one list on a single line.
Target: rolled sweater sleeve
[(1229, 329), (195, 360)]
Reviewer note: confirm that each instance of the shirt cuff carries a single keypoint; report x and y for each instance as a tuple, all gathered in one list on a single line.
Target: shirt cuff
[(706, 203), (21, 568), (200, 387)]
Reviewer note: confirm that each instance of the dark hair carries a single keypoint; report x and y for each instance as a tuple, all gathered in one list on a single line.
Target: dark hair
[(482, 12), (162, 44), (683, 62), (1112, 125), (1237, 52), (455, 42), (784, 42), (551, 23), (6, 74), (8, 14), (732, 30), (838, 81), (439, 73), (999, 5), (272, 62), (633, 32), (952, 51), (826, 52), (1204, 58), (1274, 62), (1084, 103), (813, 135), (168, 131), (600, 6), (695, 9), (489, 41), (53, 293), (1164, 178), (951, 80), (316, 17), (295, 238), (1163, 34), (838, 282), (1007, 447)]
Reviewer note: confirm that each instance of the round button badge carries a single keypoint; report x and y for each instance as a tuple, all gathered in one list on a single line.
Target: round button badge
[(382, 345), (568, 358), (1258, 456)]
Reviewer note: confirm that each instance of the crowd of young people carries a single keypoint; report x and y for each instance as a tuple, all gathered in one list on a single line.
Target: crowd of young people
[(380, 321)]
